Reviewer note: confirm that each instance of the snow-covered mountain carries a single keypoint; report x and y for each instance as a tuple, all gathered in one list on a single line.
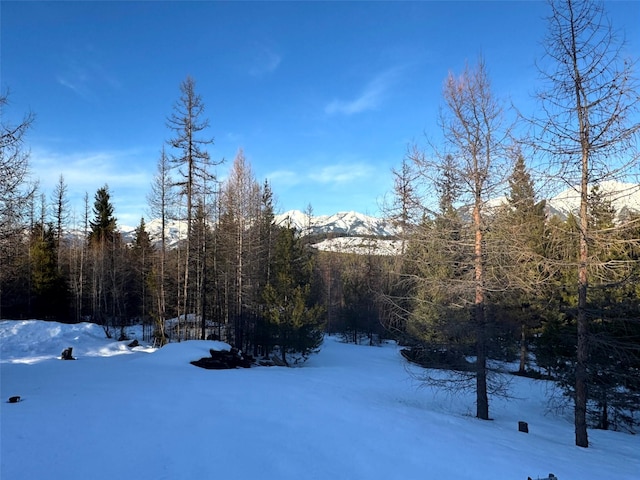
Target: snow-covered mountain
[(624, 197), (342, 223), (176, 230)]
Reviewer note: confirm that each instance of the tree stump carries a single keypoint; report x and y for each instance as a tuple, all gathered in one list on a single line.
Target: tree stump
[(66, 354), (523, 427), (221, 359)]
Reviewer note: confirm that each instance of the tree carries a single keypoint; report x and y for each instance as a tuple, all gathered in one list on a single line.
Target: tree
[(191, 159), (15, 191), (14, 171), (142, 253), (241, 198), (295, 320), (60, 215), (588, 104), (522, 226), (476, 137), (103, 226), (104, 241), (49, 288), (160, 200)]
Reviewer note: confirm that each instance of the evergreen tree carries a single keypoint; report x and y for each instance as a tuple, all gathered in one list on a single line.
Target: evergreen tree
[(521, 225), (103, 225), (107, 295), (48, 286), (295, 320), (142, 252)]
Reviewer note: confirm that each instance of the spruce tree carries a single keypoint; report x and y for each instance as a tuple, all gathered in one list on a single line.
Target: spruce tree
[(296, 321), (522, 227), (103, 225)]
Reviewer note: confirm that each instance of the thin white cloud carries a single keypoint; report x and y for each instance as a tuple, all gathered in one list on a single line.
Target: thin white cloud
[(343, 173), (284, 178), (85, 172), (86, 169), (81, 73), (318, 174), (266, 61), (370, 98)]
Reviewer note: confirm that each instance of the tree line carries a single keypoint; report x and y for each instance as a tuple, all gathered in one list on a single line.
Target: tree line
[(474, 281)]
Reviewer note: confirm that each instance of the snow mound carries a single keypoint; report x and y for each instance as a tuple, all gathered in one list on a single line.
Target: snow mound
[(184, 352), (32, 341)]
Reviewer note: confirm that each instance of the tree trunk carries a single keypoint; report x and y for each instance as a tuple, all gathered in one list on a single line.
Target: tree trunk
[(523, 348), (482, 398)]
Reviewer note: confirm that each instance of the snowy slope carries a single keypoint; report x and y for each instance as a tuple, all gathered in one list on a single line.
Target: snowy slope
[(352, 412), (623, 196), (344, 223), (361, 245)]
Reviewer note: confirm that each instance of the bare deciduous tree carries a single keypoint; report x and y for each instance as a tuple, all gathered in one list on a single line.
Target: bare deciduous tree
[(588, 129), (60, 215), (192, 161), (15, 190), (451, 251), (160, 200)]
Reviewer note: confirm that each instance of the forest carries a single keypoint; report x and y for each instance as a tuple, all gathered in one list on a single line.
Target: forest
[(475, 282)]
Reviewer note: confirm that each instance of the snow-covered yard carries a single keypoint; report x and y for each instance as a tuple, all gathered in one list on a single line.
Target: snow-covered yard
[(351, 412)]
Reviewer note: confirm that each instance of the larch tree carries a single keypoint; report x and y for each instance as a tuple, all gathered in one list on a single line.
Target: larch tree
[(60, 203), (589, 129), (193, 162), (450, 253), (160, 200), (474, 127), (15, 190), (240, 215)]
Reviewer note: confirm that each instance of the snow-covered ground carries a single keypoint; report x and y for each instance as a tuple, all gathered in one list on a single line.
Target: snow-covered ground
[(351, 412)]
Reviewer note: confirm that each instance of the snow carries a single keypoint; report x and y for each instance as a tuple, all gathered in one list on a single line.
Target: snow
[(351, 412), (360, 246), (344, 223), (622, 196)]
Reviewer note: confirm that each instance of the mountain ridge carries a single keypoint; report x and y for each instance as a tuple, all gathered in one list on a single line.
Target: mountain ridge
[(624, 197)]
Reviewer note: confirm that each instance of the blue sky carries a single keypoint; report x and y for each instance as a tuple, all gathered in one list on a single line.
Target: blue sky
[(323, 97)]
